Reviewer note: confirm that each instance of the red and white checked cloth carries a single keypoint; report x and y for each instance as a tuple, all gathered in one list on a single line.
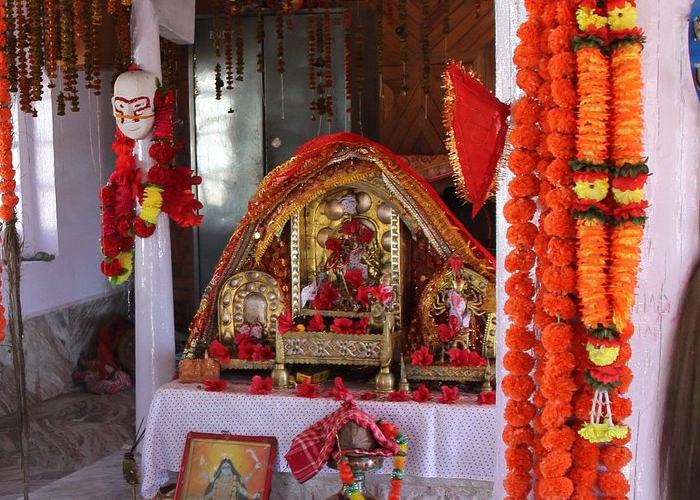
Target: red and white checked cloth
[(311, 449)]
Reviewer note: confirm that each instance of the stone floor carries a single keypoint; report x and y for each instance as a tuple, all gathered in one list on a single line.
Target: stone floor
[(103, 480), (67, 433)]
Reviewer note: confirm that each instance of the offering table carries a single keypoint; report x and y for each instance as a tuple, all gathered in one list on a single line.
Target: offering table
[(447, 440)]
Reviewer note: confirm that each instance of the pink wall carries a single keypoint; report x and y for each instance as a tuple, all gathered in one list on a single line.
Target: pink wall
[(671, 110)]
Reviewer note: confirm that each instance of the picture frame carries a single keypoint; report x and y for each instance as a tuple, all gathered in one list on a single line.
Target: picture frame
[(226, 466)]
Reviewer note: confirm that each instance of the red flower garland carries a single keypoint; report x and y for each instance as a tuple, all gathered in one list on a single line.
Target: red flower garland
[(168, 188), (117, 201)]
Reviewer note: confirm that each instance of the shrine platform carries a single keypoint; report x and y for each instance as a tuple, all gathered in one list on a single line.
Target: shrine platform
[(452, 442)]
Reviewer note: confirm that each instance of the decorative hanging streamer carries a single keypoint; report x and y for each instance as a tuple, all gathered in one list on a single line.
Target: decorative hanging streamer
[(476, 125), (121, 10), (69, 58), (328, 64), (348, 45), (228, 51), (401, 30), (311, 61), (240, 62), (11, 43), (36, 49), (380, 45), (425, 48), (96, 18), (24, 81)]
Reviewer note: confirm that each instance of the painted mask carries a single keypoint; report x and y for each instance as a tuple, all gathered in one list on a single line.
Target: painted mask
[(132, 103)]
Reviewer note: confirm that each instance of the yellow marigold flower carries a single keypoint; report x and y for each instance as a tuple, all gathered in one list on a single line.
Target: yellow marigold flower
[(586, 16), (301, 328), (592, 190), (626, 196), (152, 201), (622, 18), (602, 355), (602, 433)]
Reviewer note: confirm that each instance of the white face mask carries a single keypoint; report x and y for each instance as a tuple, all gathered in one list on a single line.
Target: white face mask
[(132, 103)]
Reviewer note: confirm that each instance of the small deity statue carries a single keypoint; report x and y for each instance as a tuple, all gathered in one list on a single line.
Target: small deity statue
[(228, 484), (349, 204)]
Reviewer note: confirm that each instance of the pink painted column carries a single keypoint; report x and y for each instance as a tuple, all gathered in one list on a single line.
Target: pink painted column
[(672, 232)]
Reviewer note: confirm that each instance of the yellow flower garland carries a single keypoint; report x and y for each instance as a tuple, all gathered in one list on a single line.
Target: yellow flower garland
[(152, 203), (602, 355)]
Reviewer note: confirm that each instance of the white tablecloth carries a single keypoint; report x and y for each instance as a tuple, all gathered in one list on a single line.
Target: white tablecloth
[(447, 440)]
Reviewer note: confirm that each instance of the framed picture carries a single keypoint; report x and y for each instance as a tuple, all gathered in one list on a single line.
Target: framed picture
[(226, 467)]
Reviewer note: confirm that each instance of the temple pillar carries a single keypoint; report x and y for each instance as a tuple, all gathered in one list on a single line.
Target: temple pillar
[(155, 328)]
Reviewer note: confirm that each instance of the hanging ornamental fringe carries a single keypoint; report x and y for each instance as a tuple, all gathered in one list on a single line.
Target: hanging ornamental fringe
[(476, 125)]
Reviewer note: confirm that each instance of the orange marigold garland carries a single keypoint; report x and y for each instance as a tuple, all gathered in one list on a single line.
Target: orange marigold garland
[(592, 187), (9, 199), (517, 385), (556, 306), (629, 173)]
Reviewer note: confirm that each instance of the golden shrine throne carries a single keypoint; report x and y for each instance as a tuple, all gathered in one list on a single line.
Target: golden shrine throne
[(347, 256)]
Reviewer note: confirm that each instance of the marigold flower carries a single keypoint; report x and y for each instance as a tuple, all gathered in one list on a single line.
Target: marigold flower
[(525, 136), (519, 210), (622, 18), (562, 65), (564, 93), (562, 439), (522, 186), (519, 259), (518, 458), (522, 161), (527, 56), (613, 484), (555, 487), (516, 436), (557, 337), (517, 387), (517, 484), (522, 235), (525, 111), (528, 80), (559, 39), (519, 338)]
